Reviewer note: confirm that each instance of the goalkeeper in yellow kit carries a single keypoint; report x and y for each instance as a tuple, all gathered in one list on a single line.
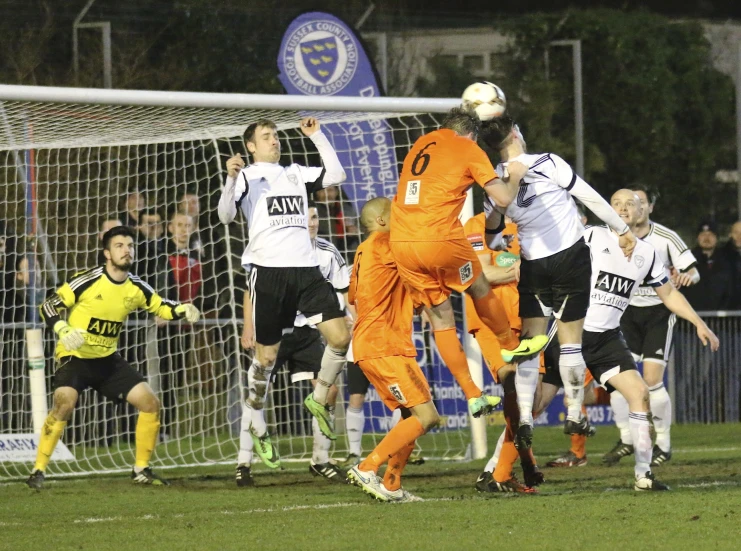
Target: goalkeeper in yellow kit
[(99, 301)]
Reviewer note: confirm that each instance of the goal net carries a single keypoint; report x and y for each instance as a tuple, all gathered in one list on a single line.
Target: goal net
[(75, 162)]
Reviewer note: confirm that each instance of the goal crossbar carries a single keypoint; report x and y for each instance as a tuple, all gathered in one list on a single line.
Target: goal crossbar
[(147, 98)]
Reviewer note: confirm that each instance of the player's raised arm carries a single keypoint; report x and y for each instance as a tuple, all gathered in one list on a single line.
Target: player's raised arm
[(333, 173), (578, 188), (233, 190)]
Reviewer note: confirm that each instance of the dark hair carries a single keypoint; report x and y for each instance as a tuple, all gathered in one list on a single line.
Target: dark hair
[(651, 193), (150, 212), (495, 131), (462, 121), (311, 204), (249, 133), (115, 232)]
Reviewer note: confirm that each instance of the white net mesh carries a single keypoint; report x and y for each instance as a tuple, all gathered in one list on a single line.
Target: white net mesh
[(67, 171)]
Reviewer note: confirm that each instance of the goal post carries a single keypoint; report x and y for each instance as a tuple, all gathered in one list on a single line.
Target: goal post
[(99, 154)]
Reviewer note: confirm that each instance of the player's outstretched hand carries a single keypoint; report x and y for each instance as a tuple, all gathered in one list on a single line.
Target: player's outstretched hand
[(309, 125), (71, 338), (234, 165), (707, 336), (189, 312), (627, 243), (248, 337)]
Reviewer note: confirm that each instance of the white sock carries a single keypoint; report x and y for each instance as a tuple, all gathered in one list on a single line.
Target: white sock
[(492, 464), (395, 417), (332, 363), (640, 430), (322, 444), (258, 381), (572, 368), (355, 423), (259, 426), (526, 383), (245, 438), (661, 411), (620, 413)]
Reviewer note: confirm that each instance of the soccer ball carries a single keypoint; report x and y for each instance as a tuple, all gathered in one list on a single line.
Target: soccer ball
[(486, 98)]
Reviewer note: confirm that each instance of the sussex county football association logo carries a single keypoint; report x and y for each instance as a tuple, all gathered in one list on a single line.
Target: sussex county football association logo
[(320, 57)]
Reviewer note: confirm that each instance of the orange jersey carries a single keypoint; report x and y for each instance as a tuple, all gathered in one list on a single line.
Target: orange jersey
[(383, 326), (437, 173), (507, 292)]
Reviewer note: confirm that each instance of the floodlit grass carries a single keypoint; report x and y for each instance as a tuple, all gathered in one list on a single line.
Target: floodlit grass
[(592, 507)]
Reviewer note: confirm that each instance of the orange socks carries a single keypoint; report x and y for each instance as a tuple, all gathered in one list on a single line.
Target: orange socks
[(452, 354), (392, 476), (404, 433), (492, 313)]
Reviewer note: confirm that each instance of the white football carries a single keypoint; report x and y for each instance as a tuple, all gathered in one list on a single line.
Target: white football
[(486, 98)]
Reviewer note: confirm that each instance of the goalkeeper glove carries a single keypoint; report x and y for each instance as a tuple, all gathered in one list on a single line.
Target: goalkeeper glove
[(188, 311), (71, 338)]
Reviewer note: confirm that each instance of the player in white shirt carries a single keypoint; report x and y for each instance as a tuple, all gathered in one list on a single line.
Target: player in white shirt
[(281, 260), (555, 266), (302, 352), (647, 326), (615, 280)]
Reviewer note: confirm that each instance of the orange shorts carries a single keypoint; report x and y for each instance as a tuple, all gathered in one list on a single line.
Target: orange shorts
[(436, 268), (492, 353), (398, 380), (511, 301)]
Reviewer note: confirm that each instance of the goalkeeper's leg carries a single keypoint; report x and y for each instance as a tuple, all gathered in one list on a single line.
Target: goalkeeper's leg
[(65, 399), (147, 429)]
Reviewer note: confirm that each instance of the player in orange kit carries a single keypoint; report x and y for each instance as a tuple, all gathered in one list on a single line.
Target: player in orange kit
[(432, 253), (500, 269), (383, 348)]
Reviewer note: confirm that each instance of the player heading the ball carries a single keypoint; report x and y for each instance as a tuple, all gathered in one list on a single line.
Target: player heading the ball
[(432, 253)]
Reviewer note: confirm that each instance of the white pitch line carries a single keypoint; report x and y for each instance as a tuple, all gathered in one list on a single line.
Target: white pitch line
[(707, 450), (227, 512), (709, 484)]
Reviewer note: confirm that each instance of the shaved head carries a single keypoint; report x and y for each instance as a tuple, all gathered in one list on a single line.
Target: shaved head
[(624, 194), (376, 215), (627, 204)]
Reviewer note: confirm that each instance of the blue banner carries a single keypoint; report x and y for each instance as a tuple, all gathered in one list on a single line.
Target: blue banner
[(320, 55)]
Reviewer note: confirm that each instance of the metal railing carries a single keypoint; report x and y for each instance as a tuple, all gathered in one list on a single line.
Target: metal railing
[(705, 385)]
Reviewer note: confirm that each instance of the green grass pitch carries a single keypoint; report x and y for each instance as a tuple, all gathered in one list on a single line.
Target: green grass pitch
[(591, 507)]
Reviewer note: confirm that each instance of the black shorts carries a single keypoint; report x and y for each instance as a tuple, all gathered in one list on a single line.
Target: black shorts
[(648, 331), (111, 376), (357, 382), (605, 354), (279, 293), (558, 284), (302, 350)]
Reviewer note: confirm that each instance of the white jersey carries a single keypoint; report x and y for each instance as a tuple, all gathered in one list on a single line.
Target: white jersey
[(615, 279), (545, 214), (673, 253), (333, 268), (274, 201)]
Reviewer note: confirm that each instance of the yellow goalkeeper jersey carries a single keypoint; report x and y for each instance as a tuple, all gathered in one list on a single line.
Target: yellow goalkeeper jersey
[(99, 306)]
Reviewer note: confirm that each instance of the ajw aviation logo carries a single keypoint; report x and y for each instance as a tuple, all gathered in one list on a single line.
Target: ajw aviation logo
[(320, 58)]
